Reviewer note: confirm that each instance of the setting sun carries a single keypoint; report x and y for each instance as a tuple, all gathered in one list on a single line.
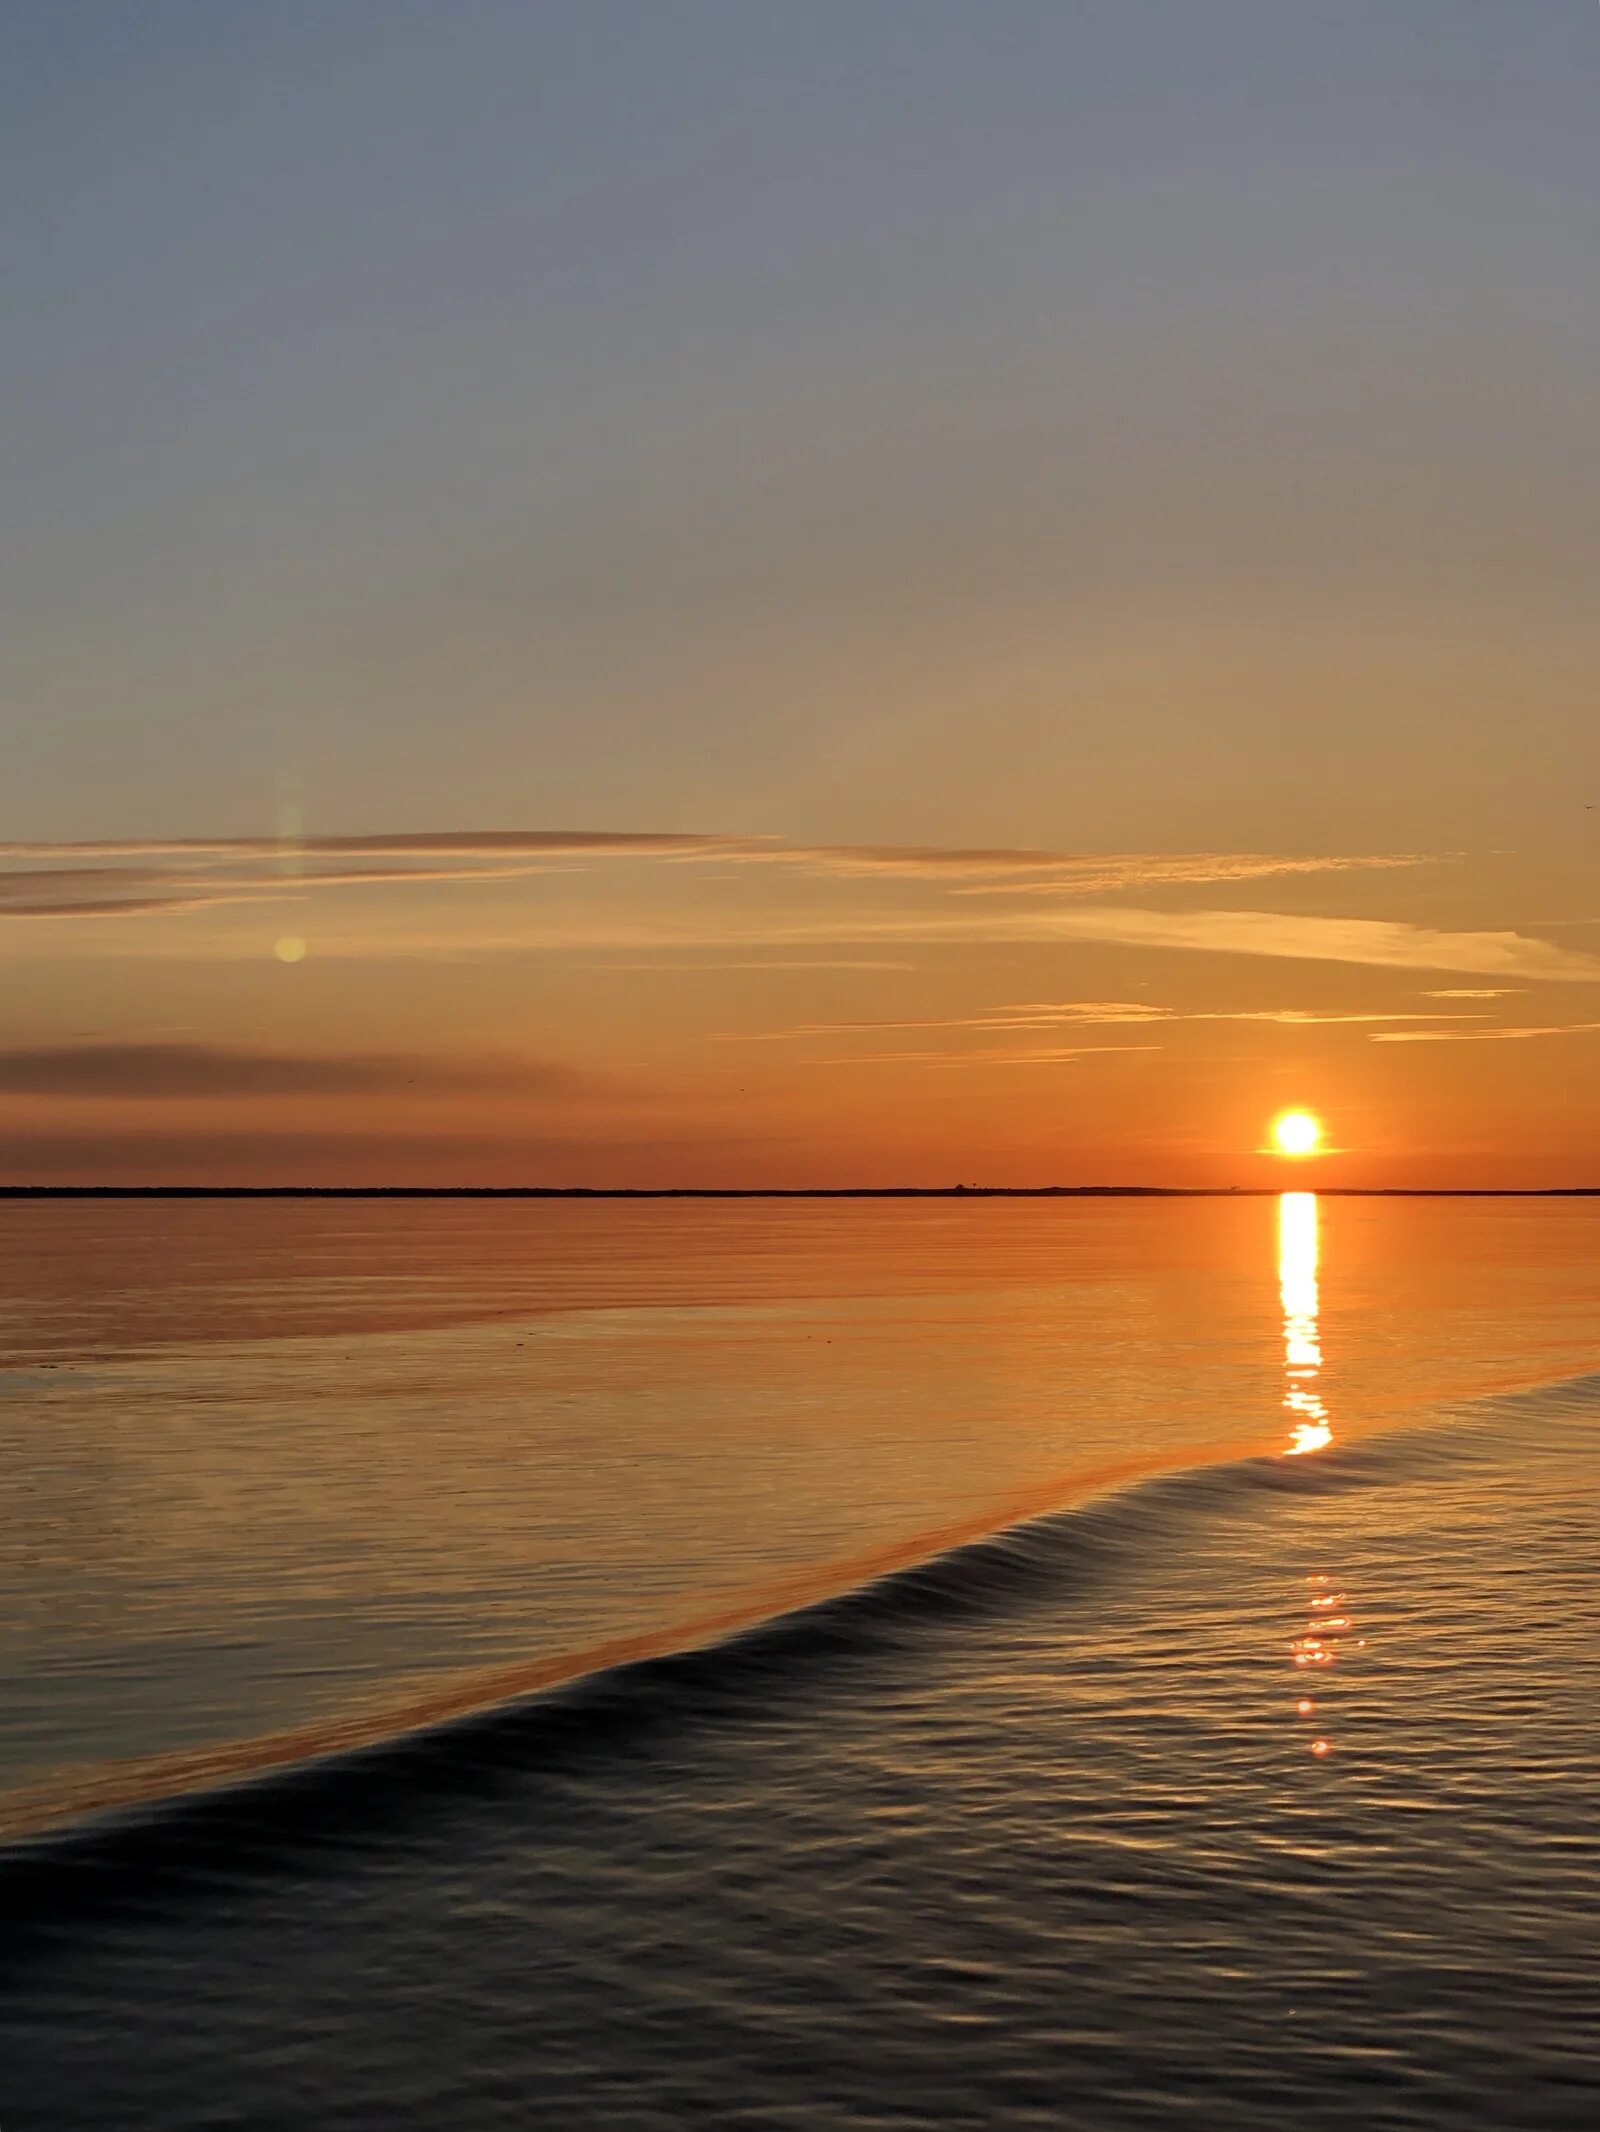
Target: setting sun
[(1296, 1132)]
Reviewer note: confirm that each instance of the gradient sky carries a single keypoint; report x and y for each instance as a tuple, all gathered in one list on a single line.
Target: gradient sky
[(902, 591)]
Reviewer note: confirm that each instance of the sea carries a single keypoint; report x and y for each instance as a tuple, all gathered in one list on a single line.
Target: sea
[(1103, 1663)]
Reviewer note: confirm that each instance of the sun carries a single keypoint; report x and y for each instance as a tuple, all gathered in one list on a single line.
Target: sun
[(1296, 1132)]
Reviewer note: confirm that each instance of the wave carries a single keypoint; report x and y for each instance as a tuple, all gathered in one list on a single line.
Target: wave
[(186, 1819)]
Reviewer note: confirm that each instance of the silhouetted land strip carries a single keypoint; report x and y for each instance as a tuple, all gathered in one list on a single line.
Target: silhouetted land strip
[(848, 1191)]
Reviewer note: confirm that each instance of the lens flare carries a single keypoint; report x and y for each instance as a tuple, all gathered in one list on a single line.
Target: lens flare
[(1296, 1132)]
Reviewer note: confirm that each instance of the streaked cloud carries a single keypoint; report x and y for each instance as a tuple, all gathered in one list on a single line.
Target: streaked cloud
[(187, 873), (367, 1158), (1076, 1014), (992, 1055), (426, 843), (1092, 875), (1481, 1036), (116, 906), (649, 931), (1380, 943), (1298, 1017), (181, 874), (1017, 870), (122, 891), (141, 1072), (687, 966), (1475, 992), (113, 891)]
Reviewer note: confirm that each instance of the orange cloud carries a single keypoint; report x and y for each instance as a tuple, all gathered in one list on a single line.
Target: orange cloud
[(1077, 1013), (994, 1055), (1481, 1036), (186, 1071), (195, 871)]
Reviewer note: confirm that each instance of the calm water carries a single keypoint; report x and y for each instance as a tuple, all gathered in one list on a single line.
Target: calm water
[(800, 1665)]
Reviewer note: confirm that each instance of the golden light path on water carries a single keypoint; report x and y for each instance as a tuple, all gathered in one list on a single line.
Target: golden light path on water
[(1327, 1632), (1302, 1348)]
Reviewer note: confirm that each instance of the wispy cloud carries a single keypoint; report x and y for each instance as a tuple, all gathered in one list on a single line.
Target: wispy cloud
[(141, 876), (1140, 871), (111, 891), (1078, 1013), (1481, 1036), (181, 874), (116, 906), (1372, 942), (424, 843), (686, 966), (1019, 870), (992, 1055), (185, 1071), (1475, 992), (176, 875), (1380, 943), (123, 891), (366, 1157)]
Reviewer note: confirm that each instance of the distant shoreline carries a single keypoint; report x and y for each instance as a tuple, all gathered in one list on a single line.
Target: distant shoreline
[(866, 1191)]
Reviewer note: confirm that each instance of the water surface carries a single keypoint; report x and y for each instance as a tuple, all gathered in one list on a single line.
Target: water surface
[(1245, 1780)]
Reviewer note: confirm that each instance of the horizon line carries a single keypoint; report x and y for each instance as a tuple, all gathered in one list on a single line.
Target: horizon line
[(884, 1191)]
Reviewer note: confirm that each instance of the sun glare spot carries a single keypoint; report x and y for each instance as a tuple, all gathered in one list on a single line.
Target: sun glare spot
[(1296, 1132), (291, 948)]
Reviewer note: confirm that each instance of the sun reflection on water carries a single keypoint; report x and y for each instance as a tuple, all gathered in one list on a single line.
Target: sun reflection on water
[(1302, 1347), (1328, 1631)]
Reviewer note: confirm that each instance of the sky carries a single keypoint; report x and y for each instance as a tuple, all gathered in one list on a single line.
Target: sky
[(735, 592)]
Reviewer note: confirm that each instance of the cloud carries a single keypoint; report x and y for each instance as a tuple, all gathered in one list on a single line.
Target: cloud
[(1378, 942), (1297, 1017), (117, 906), (1475, 992), (994, 1055), (1134, 871), (989, 870), (199, 875), (682, 967), (18, 881), (649, 931), (186, 873), (1373, 942), (113, 891), (425, 843), (138, 1072), (196, 871), (1480, 1036), (1076, 1014), (221, 1158), (40, 897)]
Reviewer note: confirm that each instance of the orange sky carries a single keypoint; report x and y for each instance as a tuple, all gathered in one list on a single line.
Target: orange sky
[(749, 1012), (1056, 546)]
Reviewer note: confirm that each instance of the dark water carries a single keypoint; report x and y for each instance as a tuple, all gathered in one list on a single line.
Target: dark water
[(1033, 1832)]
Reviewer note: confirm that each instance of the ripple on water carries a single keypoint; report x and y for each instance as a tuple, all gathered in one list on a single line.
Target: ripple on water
[(995, 1847)]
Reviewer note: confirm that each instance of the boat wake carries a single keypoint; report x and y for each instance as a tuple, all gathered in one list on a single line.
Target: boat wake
[(144, 1828)]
